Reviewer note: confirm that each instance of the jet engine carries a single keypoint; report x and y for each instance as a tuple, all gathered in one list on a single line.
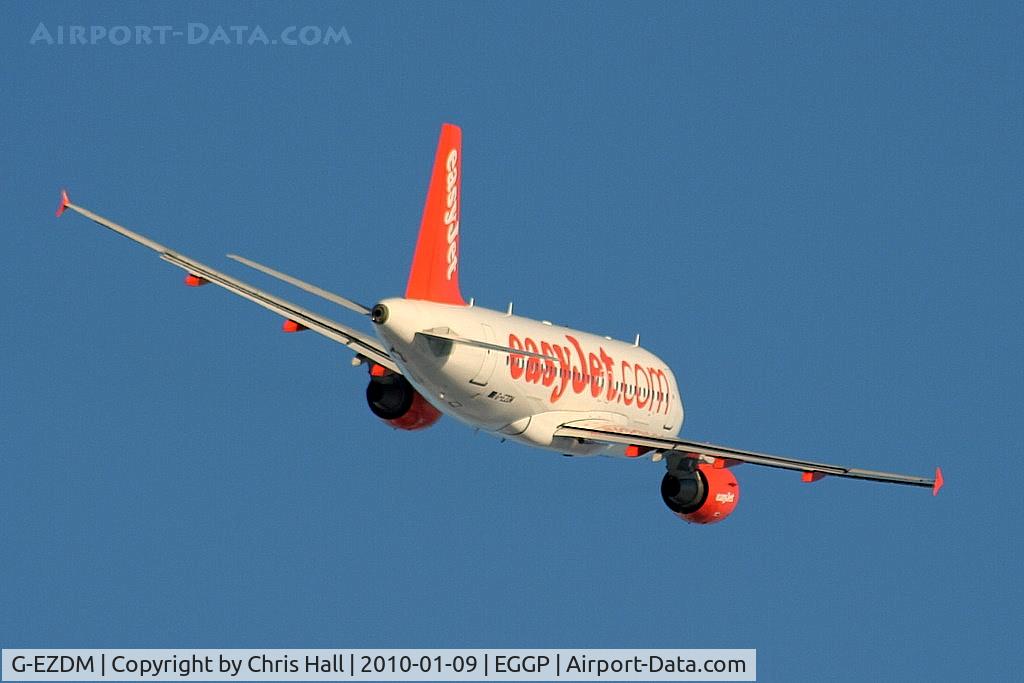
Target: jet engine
[(393, 399), (701, 494)]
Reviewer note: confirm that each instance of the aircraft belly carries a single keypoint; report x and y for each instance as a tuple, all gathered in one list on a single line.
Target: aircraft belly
[(444, 374)]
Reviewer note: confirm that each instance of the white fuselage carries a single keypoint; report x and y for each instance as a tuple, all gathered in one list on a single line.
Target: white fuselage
[(584, 377)]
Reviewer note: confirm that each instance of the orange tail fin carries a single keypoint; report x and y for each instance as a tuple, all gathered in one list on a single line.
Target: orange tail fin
[(435, 264)]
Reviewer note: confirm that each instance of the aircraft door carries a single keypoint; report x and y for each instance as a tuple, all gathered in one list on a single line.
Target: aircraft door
[(483, 375)]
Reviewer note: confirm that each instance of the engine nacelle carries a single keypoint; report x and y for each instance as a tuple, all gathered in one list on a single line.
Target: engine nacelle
[(394, 400), (703, 495)]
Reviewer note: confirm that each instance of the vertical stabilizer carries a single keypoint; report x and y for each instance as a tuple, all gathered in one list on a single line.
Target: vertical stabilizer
[(435, 264)]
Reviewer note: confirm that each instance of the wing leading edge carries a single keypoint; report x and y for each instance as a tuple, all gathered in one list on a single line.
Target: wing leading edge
[(198, 273), (608, 433)]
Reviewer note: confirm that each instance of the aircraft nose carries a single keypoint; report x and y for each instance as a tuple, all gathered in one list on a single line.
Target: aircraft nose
[(379, 314)]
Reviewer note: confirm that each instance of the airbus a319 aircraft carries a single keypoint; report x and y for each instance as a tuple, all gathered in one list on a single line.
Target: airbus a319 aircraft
[(530, 381)]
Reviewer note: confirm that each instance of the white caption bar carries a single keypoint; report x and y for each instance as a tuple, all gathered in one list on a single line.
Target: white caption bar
[(379, 665)]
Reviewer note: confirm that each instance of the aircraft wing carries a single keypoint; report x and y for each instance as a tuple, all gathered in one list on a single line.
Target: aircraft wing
[(812, 471), (362, 344)]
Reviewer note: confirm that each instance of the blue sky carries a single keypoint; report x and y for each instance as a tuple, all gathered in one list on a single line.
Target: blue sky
[(814, 213)]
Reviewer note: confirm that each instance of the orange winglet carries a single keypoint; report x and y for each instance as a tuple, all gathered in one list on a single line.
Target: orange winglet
[(64, 201), (195, 281), (808, 477), (292, 326), (938, 481)]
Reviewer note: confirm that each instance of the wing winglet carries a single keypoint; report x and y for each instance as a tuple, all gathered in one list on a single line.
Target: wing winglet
[(64, 201), (938, 481)]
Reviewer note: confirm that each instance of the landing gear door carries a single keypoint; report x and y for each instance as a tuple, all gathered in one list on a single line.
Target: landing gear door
[(483, 375)]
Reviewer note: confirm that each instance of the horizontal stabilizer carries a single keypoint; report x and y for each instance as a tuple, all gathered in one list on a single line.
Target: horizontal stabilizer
[(305, 286), (455, 339)]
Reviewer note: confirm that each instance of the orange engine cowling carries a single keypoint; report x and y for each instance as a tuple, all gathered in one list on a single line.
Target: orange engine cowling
[(394, 400), (702, 495)]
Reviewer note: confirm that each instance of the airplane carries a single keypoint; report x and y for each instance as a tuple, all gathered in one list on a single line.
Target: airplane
[(528, 381)]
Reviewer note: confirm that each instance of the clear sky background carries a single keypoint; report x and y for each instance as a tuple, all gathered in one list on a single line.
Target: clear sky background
[(814, 213)]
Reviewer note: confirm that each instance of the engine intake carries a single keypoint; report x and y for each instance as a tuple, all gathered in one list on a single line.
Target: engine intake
[(394, 400), (701, 495)]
